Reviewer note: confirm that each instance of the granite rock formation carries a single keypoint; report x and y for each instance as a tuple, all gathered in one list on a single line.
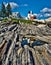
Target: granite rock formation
[(37, 52)]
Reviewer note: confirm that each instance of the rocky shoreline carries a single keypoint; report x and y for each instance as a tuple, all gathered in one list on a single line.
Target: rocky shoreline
[(35, 52)]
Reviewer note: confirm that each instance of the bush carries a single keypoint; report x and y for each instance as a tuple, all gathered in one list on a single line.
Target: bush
[(5, 20)]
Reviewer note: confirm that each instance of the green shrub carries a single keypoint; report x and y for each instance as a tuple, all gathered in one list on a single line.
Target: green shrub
[(5, 20)]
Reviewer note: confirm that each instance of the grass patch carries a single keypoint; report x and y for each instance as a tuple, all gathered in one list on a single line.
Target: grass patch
[(22, 21), (17, 20)]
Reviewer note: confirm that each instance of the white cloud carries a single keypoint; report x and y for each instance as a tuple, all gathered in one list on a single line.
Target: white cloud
[(25, 5), (47, 15), (12, 4), (38, 15), (45, 10), (41, 15)]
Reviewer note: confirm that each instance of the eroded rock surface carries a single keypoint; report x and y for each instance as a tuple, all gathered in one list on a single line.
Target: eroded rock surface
[(36, 53)]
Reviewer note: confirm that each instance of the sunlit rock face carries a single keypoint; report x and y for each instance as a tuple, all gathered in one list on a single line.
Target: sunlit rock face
[(13, 51)]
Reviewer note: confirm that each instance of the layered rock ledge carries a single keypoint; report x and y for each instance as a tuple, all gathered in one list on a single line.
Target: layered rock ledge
[(15, 52)]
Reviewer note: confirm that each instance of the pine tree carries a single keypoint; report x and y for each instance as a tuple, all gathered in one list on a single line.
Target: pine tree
[(3, 10), (8, 10)]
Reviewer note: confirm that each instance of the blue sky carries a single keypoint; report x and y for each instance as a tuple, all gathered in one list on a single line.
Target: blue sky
[(37, 6)]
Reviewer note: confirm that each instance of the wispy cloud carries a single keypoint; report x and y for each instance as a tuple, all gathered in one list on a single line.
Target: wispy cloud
[(47, 15), (45, 10), (23, 5), (39, 15), (12, 4)]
